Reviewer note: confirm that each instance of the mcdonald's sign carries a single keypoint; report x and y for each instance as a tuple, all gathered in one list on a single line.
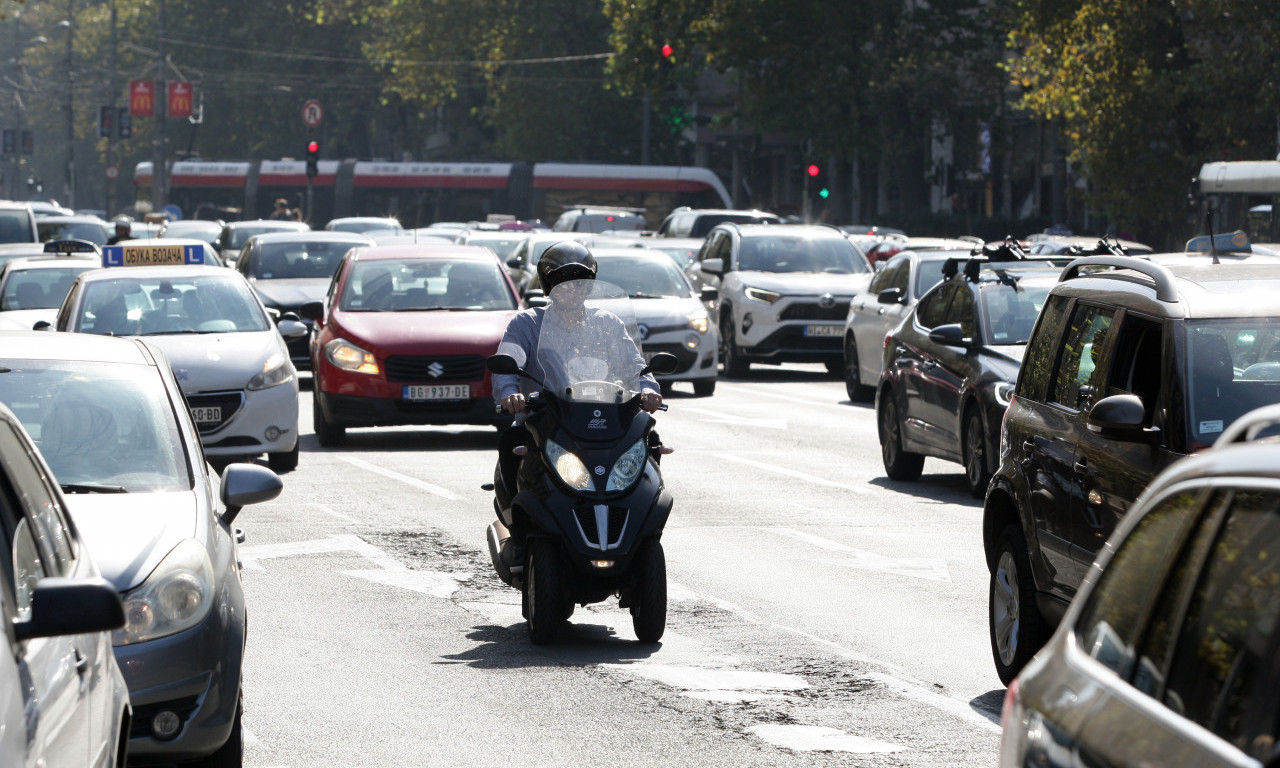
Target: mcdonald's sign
[(179, 99), (142, 98)]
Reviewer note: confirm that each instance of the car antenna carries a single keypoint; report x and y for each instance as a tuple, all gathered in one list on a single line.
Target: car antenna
[(1213, 243)]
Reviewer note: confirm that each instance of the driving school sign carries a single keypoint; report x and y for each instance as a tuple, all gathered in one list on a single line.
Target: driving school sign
[(151, 255)]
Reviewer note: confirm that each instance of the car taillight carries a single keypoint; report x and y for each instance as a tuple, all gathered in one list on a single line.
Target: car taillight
[(1013, 724), (887, 338)]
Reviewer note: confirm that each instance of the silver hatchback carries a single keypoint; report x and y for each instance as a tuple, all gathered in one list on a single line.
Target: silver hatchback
[(1170, 652)]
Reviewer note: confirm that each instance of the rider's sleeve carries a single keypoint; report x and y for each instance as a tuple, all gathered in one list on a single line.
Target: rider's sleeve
[(521, 342)]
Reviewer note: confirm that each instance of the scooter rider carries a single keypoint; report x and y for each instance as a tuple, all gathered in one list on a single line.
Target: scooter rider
[(562, 262)]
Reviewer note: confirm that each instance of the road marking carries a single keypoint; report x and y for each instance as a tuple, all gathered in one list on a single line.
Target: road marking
[(814, 738), (431, 583), (762, 392), (930, 569), (415, 482), (339, 543), (334, 513), (736, 420), (774, 468), (720, 680)]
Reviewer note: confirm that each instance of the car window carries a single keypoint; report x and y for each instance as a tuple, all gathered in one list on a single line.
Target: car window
[(1108, 624), (400, 285), (1137, 365), (961, 310), (41, 505), (931, 312), (644, 278), (1042, 352), (300, 259), (1009, 311), (1232, 367), (785, 254), (39, 288), (928, 274), (15, 227), (888, 276), (1225, 646), (1083, 363)]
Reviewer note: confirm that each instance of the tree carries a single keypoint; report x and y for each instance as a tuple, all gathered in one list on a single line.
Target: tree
[(1147, 92)]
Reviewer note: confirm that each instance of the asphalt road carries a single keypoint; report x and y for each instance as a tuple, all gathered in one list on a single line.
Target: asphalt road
[(820, 614)]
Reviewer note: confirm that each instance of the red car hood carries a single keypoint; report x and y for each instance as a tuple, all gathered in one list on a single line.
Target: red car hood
[(416, 333)]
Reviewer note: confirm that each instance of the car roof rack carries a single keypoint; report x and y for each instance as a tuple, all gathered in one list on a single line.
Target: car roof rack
[(1166, 288), (1250, 426), (1107, 245)]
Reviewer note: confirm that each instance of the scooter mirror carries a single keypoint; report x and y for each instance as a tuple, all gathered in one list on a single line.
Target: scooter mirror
[(663, 362), (504, 364)]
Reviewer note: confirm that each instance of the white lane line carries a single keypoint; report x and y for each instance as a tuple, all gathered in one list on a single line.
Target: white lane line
[(415, 482), (737, 420), (815, 738), (334, 513), (809, 401), (895, 679), (432, 583), (916, 567), (339, 543), (774, 468)]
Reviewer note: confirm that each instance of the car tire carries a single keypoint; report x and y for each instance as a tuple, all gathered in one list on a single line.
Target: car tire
[(1018, 630), (853, 386), (285, 461), (649, 592), (898, 463), (543, 592), (231, 753), (665, 388), (704, 388), (730, 357), (329, 435), (835, 368), (974, 452)]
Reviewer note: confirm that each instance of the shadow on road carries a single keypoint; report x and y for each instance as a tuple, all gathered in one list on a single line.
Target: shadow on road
[(944, 488), (989, 704), (401, 439), (580, 644)]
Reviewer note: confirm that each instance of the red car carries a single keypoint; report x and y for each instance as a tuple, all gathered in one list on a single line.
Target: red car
[(402, 338)]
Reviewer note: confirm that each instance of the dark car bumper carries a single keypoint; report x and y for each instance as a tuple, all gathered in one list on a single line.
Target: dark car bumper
[(789, 344), (355, 411)]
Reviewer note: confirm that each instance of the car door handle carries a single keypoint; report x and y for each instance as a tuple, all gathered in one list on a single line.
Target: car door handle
[(1081, 466), (82, 663), (880, 311), (1028, 445)]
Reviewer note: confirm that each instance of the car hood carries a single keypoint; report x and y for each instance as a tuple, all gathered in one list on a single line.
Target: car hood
[(211, 362), (1005, 360), (291, 293), (128, 534), (666, 314), (417, 333), (807, 283), (23, 319)]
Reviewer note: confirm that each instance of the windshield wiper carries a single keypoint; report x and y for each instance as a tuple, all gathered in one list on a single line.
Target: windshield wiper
[(91, 488), (649, 296)]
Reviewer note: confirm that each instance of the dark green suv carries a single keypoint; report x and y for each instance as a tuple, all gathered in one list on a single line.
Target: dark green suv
[(1131, 365)]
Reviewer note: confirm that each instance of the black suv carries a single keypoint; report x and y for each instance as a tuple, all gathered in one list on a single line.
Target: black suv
[(949, 366), (697, 222), (1131, 365)]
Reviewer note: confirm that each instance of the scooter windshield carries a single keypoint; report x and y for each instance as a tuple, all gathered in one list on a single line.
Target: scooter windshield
[(589, 345)]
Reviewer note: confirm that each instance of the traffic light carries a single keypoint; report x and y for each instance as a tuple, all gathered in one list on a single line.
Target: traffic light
[(313, 158), (668, 53), (817, 180)]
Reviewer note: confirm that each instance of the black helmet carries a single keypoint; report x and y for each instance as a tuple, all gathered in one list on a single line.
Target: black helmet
[(565, 261)]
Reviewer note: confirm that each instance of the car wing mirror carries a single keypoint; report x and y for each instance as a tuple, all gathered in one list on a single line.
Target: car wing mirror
[(42, 325), (292, 329), (891, 296), (245, 484), (61, 606), (709, 293), (951, 335), (312, 310), (1119, 416), (503, 364), (712, 266)]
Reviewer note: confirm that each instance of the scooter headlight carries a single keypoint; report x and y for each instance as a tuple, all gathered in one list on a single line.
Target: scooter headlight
[(627, 468), (570, 468)]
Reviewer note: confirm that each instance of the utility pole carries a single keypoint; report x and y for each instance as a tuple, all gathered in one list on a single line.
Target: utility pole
[(112, 88), (159, 173), (70, 193)]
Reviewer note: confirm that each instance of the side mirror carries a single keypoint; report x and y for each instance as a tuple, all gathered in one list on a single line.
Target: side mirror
[(1120, 416), (536, 298), (709, 294), (663, 362), (502, 364), (515, 263), (274, 314), (712, 266), (61, 606), (950, 335), (245, 484), (312, 310), (891, 296), (42, 325), (292, 329)]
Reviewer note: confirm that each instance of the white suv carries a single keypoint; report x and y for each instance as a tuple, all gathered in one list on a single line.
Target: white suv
[(784, 291)]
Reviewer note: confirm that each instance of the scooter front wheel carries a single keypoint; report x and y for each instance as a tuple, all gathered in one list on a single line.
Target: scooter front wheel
[(543, 592), (649, 592)]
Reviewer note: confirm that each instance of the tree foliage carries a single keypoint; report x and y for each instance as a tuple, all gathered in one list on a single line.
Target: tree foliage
[(1148, 91)]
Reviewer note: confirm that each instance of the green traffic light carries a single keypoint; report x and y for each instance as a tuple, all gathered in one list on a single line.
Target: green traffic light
[(824, 193)]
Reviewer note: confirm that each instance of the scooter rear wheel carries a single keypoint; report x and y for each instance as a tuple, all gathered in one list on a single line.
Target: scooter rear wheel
[(543, 592), (649, 593)]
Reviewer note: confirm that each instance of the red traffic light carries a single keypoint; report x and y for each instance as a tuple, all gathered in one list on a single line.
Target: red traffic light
[(313, 147), (667, 51), (813, 169)]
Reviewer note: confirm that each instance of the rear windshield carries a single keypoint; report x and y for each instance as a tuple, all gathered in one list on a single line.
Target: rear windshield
[(277, 261), (1232, 367)]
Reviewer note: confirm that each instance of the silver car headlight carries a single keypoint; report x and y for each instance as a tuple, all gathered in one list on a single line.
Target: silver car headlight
[(176, 596), (627, 468), (761, 295), (275, 371), (570, 468)]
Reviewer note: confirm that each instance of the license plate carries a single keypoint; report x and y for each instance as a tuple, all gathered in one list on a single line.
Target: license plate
[(824, 330), (437, 392), (207, 414)]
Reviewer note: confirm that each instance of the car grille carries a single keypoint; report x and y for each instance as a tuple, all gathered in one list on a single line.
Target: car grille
[(229, 402), (435, 368), (586, 516), (812, 311)]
